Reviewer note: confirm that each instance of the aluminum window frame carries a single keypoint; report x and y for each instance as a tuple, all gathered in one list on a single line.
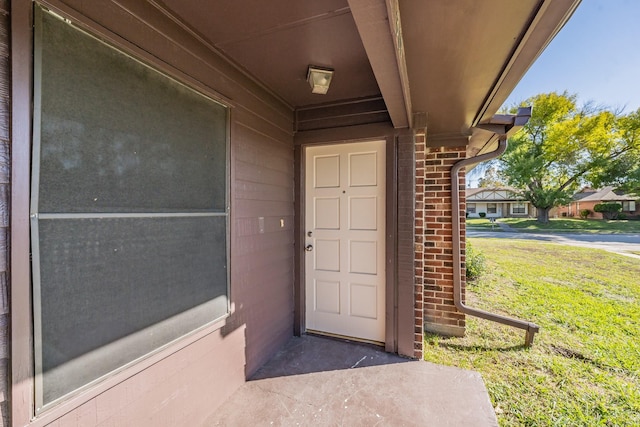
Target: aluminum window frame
[(519, 208), (34, 215)]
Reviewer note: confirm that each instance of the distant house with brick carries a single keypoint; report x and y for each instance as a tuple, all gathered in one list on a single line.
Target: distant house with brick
[(588, 198), (504, 202), (181, 192)]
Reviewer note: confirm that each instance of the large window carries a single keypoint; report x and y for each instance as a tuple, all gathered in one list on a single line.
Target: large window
[(629, 206), (519, 208), (471, 208), (129, 209), (492, 208)]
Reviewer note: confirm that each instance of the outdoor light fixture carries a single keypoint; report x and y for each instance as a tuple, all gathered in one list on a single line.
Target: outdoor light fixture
[(319, 79)]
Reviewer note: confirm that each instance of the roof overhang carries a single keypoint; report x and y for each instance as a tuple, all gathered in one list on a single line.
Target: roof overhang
[(440, 65), (465, 57)]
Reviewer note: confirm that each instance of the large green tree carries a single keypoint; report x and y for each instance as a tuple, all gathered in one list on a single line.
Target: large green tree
[(623, 171), (565, 145)]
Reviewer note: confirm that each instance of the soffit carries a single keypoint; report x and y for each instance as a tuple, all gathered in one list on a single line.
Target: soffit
[(276, 40), (455, 53), (455, 61)]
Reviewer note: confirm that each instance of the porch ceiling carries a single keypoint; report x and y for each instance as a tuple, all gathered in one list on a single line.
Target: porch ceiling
[(456, 61)]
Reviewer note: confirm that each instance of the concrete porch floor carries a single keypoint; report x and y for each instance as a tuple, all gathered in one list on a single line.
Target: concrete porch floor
[(316, 381)]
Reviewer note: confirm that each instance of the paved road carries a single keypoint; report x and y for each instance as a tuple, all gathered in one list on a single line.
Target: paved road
[(619, 243)]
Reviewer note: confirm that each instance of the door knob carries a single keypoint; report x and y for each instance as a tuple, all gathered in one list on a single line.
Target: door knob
[(308, 248)]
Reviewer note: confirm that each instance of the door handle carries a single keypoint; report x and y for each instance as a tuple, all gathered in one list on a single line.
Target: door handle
[(308, 248)]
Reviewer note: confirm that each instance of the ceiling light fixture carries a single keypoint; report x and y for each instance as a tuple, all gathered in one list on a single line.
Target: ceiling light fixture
[(319, 79)]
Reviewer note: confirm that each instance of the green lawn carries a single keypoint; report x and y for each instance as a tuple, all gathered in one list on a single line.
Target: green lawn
[(584, 366), (482, 223), (575, 225)]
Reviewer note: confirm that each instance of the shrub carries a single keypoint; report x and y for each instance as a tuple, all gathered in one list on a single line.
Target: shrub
[(475, 262), (482, 214), (622, 216), (584, 213), (608, 210)]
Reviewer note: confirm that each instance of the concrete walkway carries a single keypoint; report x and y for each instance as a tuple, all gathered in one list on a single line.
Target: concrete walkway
[(317, 381), (622, 244)]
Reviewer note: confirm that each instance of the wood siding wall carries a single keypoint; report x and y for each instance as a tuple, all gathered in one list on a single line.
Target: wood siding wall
[(5, 172), (405, 246), (187, 382)]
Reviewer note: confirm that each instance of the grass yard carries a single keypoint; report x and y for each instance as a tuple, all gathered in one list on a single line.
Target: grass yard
[(584, 366), (482, 223), (575, 225)]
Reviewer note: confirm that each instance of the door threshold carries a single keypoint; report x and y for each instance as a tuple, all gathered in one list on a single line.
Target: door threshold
[(344, 337)]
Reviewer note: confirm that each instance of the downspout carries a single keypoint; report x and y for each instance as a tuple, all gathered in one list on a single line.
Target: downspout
[(530, 328)]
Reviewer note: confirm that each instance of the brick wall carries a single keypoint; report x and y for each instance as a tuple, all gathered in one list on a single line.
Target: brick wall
[(433, 232), (419, 254)]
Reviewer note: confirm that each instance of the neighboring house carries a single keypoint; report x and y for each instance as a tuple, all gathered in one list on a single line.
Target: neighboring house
[(177, 203), (588, 198), (497, 203)]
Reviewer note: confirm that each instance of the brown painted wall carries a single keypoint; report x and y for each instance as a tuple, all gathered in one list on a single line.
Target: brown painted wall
[(187, 383), (5, 167), (405, 244)]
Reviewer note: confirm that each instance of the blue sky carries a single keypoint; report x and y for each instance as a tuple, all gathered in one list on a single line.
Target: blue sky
[(596, 56)]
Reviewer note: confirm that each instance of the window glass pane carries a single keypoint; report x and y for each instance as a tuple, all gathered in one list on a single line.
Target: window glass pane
[(115, 289), (118, 136), (518, 208), (130, 228)]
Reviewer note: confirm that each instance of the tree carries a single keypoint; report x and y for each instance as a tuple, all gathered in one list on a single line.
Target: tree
[(623, 172), (491, 178), (564, 146)]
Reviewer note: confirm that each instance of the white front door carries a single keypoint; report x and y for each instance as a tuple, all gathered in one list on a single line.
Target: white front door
[(345, 240)]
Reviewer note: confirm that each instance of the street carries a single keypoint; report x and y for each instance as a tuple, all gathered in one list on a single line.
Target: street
[(623, 244)]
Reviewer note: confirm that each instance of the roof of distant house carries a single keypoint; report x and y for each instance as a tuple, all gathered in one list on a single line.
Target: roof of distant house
[(605, 194), (495, 194)]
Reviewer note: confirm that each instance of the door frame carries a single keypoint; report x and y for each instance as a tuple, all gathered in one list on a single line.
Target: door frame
[(391, 289)]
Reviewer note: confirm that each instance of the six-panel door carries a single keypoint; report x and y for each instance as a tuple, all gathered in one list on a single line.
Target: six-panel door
[(345, 240)]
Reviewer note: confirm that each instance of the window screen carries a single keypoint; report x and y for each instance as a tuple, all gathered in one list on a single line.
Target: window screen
[(129, 209)]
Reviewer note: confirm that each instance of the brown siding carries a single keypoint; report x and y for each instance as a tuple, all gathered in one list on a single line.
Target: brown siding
[(187, 383), (5, 114), (405, 263), (262, 263)]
